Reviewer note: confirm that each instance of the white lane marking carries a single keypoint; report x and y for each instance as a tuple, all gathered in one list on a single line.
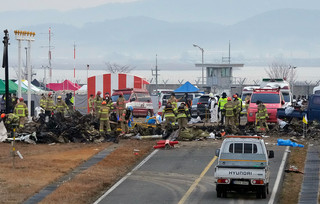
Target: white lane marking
[(126, 176), (280, 172)]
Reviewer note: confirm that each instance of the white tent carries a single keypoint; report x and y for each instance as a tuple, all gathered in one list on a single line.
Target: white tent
[(24, 84)]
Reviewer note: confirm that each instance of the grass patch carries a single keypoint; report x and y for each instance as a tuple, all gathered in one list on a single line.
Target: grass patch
[(292, 181)]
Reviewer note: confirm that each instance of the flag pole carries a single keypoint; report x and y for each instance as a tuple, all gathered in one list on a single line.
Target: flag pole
[(74, 74)]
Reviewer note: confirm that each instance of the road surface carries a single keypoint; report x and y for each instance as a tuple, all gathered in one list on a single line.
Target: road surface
[(182, 175)]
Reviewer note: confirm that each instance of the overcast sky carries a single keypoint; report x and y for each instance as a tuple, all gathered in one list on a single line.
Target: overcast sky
[(62, 5)]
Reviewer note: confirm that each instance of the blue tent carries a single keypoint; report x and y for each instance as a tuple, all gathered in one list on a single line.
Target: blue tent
[(186, 88)]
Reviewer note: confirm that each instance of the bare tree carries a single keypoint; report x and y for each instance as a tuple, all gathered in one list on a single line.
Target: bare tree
[(282, 71), (116, 68)]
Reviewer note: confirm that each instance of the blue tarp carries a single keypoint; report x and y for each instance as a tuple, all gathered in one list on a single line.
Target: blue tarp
[(186, 88)]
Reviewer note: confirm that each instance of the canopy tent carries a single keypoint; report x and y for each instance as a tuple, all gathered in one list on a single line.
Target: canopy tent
[(83, 88), (66, 85), (186, 88), (13, 87), (24, 85)]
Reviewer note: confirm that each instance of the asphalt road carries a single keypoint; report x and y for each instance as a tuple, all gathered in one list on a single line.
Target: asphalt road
[(172, 176)]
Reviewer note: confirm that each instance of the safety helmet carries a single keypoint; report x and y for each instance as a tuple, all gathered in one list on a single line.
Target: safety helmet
[(130, 108), (229, 99), (235, 96), (104, 103), (21, 99), (50, 93), (3, 115), (224, 95), (99, 92), (121, 93), (211, 95), (59, 97)]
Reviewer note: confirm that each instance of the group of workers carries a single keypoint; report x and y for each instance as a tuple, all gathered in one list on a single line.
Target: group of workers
[(172, 112), (102, 107), (229, 111)]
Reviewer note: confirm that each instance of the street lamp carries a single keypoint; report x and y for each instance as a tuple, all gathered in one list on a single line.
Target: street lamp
[(202, 51), (292, 68)]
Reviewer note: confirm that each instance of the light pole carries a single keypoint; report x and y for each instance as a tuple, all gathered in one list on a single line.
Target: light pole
[(202, 51), (292, 68)]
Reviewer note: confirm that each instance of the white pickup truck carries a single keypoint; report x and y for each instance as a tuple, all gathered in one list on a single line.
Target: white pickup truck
[(243, 166)]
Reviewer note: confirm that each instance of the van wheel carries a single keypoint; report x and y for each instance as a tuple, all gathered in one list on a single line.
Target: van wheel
[(264, 192), (219, 193)]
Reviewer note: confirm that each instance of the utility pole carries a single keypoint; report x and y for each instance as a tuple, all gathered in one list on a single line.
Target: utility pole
[(5, 65), (156, 73)]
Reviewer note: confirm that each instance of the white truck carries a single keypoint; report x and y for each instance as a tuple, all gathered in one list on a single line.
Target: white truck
[(243, 166)]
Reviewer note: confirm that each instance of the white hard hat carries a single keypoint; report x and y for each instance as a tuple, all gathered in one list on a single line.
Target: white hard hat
[(211, 95)]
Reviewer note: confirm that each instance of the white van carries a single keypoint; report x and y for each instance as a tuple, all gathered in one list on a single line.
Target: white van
[(316, 90)]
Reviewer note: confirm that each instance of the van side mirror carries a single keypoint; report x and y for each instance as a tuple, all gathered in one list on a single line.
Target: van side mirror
[(133, 99), (270, 154), (217, 152), (283, 102)]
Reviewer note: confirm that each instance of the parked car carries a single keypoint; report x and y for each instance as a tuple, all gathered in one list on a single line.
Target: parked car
[(272, 99), (203, 106), (194, 110), (139, 99)]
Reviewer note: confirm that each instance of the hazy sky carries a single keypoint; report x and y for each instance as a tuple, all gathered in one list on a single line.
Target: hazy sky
[(62, 5)]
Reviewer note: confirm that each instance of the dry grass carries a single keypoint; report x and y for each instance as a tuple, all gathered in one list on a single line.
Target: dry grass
[(42, 164), (90, 184), (292, 181)]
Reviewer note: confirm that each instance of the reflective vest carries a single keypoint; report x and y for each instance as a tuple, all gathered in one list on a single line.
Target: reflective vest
[(173, 102), (104, 113), (43, 102), (61, 106), (168, 112), (238, 104), (222, 102), (72, 100), (262, 112), (50, 104), (91, 102), (21, 109), (12, 119), (110, 104), (229, 107), (97, 102), (182, 112), (121, 104), (123, 115)]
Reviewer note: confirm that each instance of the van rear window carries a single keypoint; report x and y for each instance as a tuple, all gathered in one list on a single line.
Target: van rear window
[(115, 97), (143, 97), (265, 98), (246, 148)]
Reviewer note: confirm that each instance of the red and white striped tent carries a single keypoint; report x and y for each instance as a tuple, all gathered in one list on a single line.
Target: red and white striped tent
[(109, 82)]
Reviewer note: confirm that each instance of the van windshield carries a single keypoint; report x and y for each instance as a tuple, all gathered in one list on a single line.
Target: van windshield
[(115, 97), (265, 98)]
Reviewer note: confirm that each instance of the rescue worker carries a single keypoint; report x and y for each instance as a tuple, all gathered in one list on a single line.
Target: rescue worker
[(238, 106), (121, 105), (261, 117), (109, 101), (169, 114), (43, 100), (21, 110), (104, 117), (10, 121), (230, 110), (61, 106), (247, 100), (50, 106), (173, 101), (97, 103), (69, 100), (14, 100), (124, 121), (91, 104), (213, 108), (182, 116), (222, 101)]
